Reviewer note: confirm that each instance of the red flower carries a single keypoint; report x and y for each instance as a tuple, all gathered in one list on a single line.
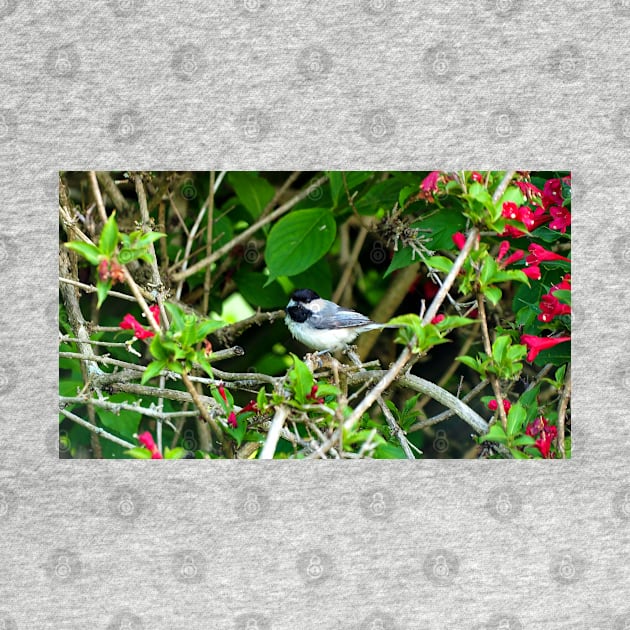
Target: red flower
[(222, 393), (493, 405), (539, 254), (516, 213), (503, 250), (438, 318), (103, 270), (459, 239), (516, 256), (155, 311), (546, 434), (430, 183), (232, 421), (429, 289), (533, 272), (475, 176), (536, 344), (529, 190), (250, 406), (510, 210), (550, 306), (313, 395), (110, 270), (129, 322), (146, 439), (561, 219), (552, 193)]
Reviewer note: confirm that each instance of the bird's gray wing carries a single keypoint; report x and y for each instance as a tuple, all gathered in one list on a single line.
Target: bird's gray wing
[(338, 318)]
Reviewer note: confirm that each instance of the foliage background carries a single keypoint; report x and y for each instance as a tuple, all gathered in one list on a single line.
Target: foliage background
[(362, 238)]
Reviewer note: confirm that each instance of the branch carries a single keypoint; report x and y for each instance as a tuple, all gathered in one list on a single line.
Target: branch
[(246, 234), (97, 430), (562, 410), (282, 413)]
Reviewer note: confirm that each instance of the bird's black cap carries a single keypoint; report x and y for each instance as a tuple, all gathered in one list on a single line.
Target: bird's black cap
[(304, 295)]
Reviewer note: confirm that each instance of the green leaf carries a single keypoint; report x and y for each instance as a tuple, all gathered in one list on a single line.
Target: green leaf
[(563, 296), (124, 423), (158, 350), (441, 263), (102, 289), (139, 452), (253, 191), (353, 179), (301, 378), (153, 369), (204, 363), (109, 237), (208, 326), (488, 271), (299, 240), (177, 317), (516, 417), (441, 226), (87, 250), (524, 440), (261, 399), (175, 453), (454, 321), (381, 195), (493, 294), (402, 258), (495, 434), (499, 348), (252, 287), (239, 433)]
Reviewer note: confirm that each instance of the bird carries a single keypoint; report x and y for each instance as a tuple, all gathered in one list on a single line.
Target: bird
[(323, 325)]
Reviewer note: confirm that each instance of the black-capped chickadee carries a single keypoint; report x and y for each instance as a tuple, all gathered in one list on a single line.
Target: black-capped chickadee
[(323, 325)]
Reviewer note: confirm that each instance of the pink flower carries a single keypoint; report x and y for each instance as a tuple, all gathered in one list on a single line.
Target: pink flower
[(539, 254), (232, 421), (533, 272), (515, 257), (552, 193), (430, 182), (546, 434), (550, 306), (475, 176), (561, 219), (459, 239), (438, 318), (493, 405), (536, 345), (529, 190), (503, 250), (129, 322), (146, 439)]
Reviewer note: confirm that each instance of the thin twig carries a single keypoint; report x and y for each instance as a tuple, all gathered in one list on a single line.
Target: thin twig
[(90, 288), (397, 432), (250, 231), (97, 430), (96, 191), (562, 410)]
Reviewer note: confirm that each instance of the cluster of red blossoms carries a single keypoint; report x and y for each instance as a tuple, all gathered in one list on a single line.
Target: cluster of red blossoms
[(110, 270), (544, 433), (550, 306), (129, 322)]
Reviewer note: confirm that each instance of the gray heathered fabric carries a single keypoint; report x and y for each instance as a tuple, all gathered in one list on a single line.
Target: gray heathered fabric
[(262, 84)]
